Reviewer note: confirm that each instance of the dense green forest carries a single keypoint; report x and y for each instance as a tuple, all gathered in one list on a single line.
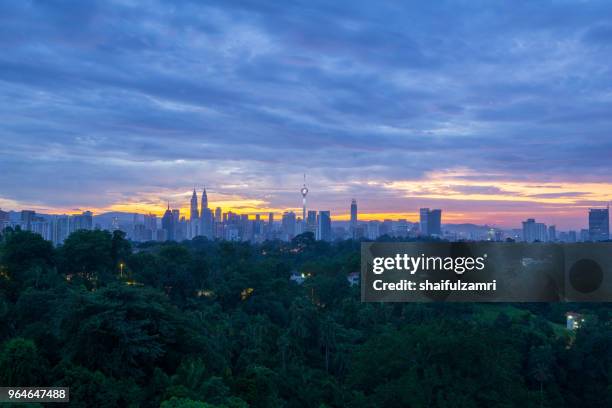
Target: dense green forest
[(220, 324)]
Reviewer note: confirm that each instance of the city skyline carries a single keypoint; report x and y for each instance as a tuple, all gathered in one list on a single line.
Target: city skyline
[(185, 206), (224, 224), (495, 113), (421, 216), (227, 225)]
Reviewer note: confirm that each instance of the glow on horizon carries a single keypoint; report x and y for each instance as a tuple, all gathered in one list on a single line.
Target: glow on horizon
[(505, 219), (560, 203), (449, 185)]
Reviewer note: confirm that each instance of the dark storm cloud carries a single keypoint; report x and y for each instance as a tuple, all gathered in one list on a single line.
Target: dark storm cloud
[(133, 96)]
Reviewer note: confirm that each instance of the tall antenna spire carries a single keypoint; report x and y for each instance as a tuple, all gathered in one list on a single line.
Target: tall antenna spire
[(304, 192)]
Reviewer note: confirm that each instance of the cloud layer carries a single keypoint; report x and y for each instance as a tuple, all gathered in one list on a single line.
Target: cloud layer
[(492, 112)]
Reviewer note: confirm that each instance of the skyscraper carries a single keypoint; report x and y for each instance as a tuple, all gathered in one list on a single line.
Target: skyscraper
[(27, 217), (288, 225), (373, 229), (599, 224), (534, 231), (82, 222), (324, 226), (311, 222), (168, 224), (353, 223), (435, 222), (150, 223), (194, 213), (204, 200), (430, 222), (61, 229), (206, 217), (218, 212), (584, 235), (4, 220), (207, 222), (423, 219), (194, 216), (552, 233)]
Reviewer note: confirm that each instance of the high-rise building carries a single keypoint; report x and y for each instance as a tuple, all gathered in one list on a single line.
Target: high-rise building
[(194, 214), (150, 223), (311, 222), (218, 217), (258, 228), (353, 222), (140, 233), (584, 235), (204, 201), (534, 231), (435, 223), (4, 220), (149, 227), (168, 224), (27, 217), (269, 227), (552, 233), (324, 231), (423, 218), (386, 228), (207, 223), (288, 225), (194, 224), (42, 227), (430, 222), (373, 229), (206, 217), (599, 224), (83, 221), (61, 229)]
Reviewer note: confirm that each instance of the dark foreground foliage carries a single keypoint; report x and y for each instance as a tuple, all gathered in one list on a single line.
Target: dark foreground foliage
[(220, 324)]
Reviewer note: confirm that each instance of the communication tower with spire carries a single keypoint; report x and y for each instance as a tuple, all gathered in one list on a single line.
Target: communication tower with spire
[(304, 191)]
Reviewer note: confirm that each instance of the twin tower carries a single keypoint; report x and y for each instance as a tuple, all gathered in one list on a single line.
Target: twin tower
[(194, 213), (201, 221)]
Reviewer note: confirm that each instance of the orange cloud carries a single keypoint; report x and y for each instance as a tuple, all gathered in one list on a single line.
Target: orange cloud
[(455, 185)]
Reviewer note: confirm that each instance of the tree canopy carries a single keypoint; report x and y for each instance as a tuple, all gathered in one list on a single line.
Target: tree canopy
[(211, 324)]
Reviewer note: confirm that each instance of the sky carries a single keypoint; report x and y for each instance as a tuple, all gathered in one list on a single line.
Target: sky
[(491, 111)]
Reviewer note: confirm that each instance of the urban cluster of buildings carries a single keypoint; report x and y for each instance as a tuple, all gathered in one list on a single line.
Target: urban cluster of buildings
[(599, 229), (230, 226), (54, 228), (217, 224)]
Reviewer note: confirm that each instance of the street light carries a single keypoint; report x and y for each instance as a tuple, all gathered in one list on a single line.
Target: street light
[(121, 265)]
